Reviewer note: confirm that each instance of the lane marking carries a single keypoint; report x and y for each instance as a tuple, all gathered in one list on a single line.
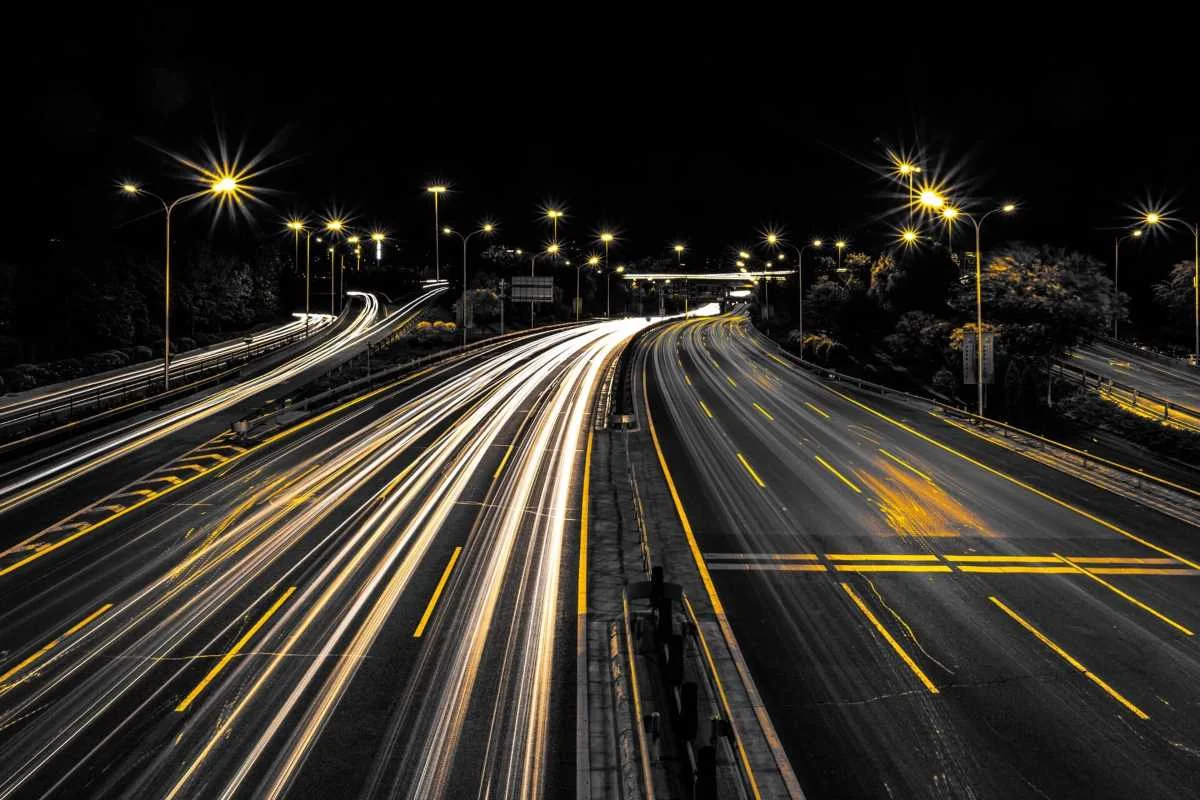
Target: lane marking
[(839, 475), (1015, 481), (1091, 574), (1065, 656), (764, 412), (880, 557), (437, 592), (732, 382), (819, 411), (900, 651), (766, 556), (750, 469), (54, 643), (767, 566), (906, 465), (581, 607), (507, 452), (706, 411), (237, 648), (687, 379), (892, 568)]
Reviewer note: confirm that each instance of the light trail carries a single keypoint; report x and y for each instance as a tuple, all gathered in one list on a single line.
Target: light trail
[(112, 385), (32, 479), (349, 524)]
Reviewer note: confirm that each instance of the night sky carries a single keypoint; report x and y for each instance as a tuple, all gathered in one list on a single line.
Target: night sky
[(665, 132)]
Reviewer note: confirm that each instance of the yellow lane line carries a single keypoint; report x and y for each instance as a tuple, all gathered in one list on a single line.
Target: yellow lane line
[(54, 642), (436, 594), (237, 648), (241, 452), (706, 411), (581, 606), (1091, 574), (741, 566), (686, 379), (1015, 481), (507, 452), (750, 469), (880, 557), (732, 382), (1002, 570), (819, 411), (900, 651), (1006, 559), (764, 556), (778, 359), (839, 475), (1065, 656), (906, 465), (892, 568), (764, 412)]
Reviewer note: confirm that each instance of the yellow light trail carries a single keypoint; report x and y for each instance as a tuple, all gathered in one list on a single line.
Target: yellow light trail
[(237, 648), (1065, 656), (900, 651), (707, 413), (437, 593), (839, 475), (764, 412), (52, 644), (819, 411)]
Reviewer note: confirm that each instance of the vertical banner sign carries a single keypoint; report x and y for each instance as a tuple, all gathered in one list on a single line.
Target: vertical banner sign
[(971, 357), (970, 354)]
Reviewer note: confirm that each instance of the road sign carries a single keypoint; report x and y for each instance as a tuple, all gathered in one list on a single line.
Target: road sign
[(532, 289), (971, 357)]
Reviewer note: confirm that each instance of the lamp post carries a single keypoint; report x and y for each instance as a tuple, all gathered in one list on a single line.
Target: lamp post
[(222, 184), (1136, 234), (608, 285), (377, 237), (594, 261), (840, 245), (334, 227), (950, 213), (679, 248), (607, 239), (1155, 218), (906, 170), (551, 250), (296, 226), (436, 190), (554, 215), (486, 228)]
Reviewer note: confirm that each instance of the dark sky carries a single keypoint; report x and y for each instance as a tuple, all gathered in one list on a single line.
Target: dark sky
[(702, 132)]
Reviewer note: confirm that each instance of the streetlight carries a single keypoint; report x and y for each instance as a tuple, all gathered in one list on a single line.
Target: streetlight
[(1136, 233), (840, 245), (551, 250), (909, 237), (906, 170), (608, 283), (679, 248), (776, 239), (1155, 218), (221, 184), (593, 261), (554, 215), (377, 237), (296, 225), (436, 190), (334, 227), (1007, 208), (607, 238), (486, 229)]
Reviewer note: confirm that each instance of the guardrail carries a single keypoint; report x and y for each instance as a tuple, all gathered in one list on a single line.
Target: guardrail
[(1003, 427), (142, 389), (1132, 394)]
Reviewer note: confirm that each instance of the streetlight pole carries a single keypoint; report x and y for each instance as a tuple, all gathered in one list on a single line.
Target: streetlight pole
[(1117, 274), (220, 185), (436, 190), (485, 228), (551, 250), (334, 226), (1156, 218), (679, 265), (307, 278), (606, 238), (592, 262), (377, 237), (1008, 208)]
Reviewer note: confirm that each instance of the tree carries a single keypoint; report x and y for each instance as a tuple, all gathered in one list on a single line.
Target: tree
[(914, 279), (1174, 298)]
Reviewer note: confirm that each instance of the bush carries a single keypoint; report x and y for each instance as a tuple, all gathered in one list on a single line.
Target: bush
[(1087, 410)]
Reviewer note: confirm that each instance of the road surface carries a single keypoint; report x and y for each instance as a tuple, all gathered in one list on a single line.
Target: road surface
[(924, 614), (377, 601), (1177, 384)]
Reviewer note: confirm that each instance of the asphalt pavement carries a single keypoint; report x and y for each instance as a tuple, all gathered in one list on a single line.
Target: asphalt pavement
[(923, 613), (374, 601)]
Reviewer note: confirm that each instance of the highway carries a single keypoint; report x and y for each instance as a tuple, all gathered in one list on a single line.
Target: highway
[(378, 600), (142, 441), (923, 613), (24, 407), (1178, 384)]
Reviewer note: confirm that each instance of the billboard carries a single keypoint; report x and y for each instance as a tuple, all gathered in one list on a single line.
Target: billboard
[(532, 289)]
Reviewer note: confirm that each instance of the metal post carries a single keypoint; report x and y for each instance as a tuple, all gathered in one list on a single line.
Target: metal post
[(979, 316), (1116, 279), (437, 240), (307, 278), (332, 279), (464, 299), (167, 309)]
